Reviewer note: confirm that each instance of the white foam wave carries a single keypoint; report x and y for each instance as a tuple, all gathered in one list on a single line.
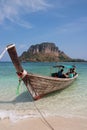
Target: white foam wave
[(12, 115)]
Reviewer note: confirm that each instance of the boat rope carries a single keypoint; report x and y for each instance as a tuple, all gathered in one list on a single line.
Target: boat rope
[(2, 54), (45, 121), (18, 87), (42, 116), (21, 75), (17, 92)]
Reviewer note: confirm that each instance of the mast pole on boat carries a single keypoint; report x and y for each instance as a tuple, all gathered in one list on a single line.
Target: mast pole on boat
[(20, 71), (14, 57)]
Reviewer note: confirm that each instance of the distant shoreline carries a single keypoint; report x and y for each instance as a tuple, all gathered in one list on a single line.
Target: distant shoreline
[(74, 60)]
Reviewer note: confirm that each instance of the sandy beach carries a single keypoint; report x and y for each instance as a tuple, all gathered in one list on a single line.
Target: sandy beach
[(55, 123)]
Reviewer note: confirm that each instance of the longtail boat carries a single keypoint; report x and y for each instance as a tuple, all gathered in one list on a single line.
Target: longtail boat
[(37, 85)]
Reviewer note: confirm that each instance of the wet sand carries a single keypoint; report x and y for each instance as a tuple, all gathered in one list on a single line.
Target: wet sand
[(55, 123)]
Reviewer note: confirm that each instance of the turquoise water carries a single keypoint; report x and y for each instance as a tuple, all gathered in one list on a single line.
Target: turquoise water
[(70, 102)]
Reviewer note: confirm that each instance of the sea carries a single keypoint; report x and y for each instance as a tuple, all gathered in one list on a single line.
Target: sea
[(18, 104)]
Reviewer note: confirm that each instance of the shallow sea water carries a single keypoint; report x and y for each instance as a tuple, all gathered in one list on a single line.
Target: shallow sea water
[(70, 102)]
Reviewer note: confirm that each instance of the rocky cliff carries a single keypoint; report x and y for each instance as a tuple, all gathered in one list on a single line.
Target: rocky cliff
[(44, 52)]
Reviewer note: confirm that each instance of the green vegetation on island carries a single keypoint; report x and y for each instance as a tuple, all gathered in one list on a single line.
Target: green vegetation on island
[(45, 52)]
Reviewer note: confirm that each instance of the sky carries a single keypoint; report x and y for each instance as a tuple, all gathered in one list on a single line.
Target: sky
[(29, 22)]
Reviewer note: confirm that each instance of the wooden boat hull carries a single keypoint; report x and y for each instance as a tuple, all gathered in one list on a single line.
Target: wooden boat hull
[(37, 85), (42, 85)]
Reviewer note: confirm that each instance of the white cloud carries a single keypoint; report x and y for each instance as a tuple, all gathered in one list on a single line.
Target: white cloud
[(13, 10)]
